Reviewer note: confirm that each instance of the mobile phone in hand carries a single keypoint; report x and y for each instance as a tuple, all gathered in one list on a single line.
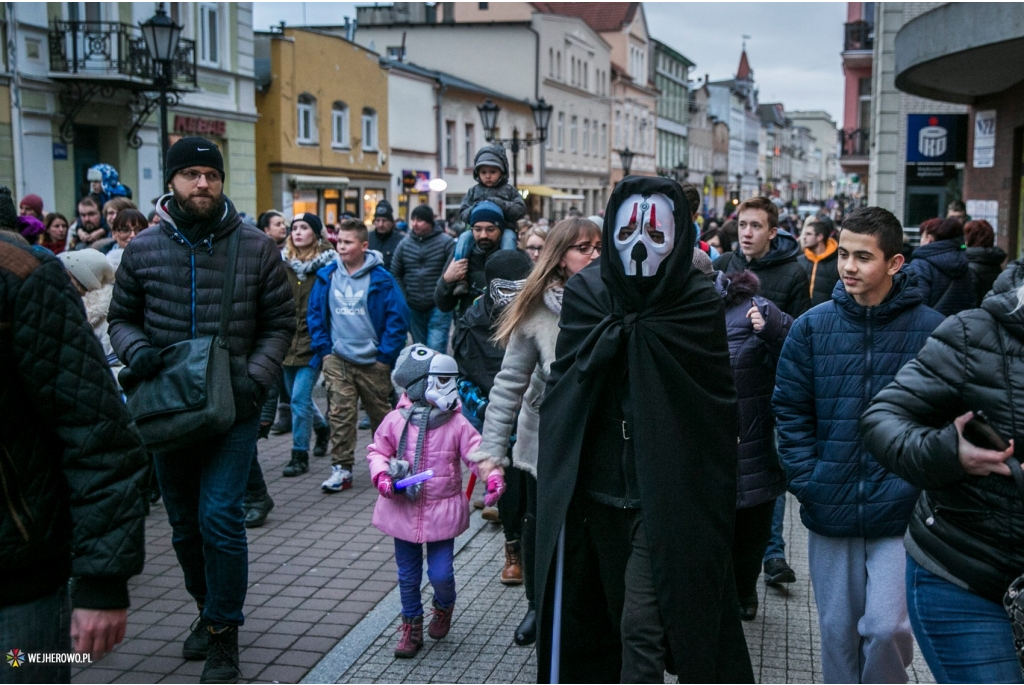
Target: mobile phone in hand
[(980, 433)]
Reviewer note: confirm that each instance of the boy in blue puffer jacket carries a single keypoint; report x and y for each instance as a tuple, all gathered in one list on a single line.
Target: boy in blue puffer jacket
[(837, 356)]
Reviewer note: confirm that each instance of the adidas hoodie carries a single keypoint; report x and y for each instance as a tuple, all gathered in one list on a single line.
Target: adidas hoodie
[(353, 336)]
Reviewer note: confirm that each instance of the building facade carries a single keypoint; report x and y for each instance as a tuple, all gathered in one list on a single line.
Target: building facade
[(59, 116), (824, 172), (734, 101), (672, 80), (700, 143), (858, 57)]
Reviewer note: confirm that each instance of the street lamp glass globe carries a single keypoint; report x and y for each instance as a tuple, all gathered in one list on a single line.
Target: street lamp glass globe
[(438, 185), (161, 35), (542, 117), (489, 117)]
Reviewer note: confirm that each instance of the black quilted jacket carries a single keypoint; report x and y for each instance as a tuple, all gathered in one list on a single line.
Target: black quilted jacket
[(783, 280), (168, 291), (71, 461), (967, 529)]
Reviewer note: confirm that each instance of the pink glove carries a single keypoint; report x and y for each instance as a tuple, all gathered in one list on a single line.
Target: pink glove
[(495, 488), (384, 484)]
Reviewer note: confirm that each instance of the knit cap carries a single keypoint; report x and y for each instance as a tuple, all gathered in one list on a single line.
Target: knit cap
[(384, 211), (313, 220), (487, 211), (33, 201), (423, 213), (8, 212), (89, 267), (193, 151)]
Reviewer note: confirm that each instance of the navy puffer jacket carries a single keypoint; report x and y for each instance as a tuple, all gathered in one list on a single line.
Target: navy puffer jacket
[(837, 356), (753, 357), (944, 276)]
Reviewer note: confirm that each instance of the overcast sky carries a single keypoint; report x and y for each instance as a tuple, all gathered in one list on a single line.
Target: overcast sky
[(793, 47)]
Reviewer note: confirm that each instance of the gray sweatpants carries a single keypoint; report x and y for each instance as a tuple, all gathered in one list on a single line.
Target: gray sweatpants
[(860, 590)]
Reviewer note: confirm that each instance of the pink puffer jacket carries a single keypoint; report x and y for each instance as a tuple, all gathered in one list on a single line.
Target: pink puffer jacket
[(442, 511)]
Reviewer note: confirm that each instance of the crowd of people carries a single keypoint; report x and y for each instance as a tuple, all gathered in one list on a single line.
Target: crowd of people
[(637, 392)]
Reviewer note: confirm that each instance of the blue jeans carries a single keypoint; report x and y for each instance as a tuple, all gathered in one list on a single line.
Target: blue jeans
[(431, 328), (40, 625), (964, 638), (298, 383), (203, 487), (465, 244), (409, 558), (776, 544)]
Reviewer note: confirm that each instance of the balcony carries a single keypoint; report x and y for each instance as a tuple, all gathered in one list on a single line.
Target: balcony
[(114, 53), (860, 35)]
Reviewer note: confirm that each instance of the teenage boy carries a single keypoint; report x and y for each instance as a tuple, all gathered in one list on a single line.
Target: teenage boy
[(837, 356), (358, 321), (820, 259)]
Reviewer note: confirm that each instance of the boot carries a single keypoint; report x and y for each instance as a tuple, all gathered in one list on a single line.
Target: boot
[(284, 420), (526, 633), (440, 622), (256, 511), (197, 644), (512, 574), (491, 514), (323, 440), (222, 661), (411, 639), (298, 465)]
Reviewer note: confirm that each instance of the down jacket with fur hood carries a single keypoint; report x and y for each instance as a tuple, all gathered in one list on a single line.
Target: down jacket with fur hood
[(753, 356)]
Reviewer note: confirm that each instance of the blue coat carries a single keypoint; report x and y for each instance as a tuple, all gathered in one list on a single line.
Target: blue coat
[(944, 276), (836, 358), (384, 302)]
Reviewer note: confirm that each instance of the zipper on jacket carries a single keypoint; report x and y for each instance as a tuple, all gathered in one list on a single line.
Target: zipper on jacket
[(208, 242), (9, 498), (869, 335)]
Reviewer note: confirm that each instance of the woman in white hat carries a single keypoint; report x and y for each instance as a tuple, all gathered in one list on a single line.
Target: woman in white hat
[(93, 276)]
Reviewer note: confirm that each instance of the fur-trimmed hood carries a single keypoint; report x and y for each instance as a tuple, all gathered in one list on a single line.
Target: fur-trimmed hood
[(97, 303), (736, 287)]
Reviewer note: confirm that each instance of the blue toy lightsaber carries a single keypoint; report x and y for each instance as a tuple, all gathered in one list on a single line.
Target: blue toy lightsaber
[(413, 479), (556, 617)]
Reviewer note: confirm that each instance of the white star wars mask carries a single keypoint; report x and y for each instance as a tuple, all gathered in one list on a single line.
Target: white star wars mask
[(442, 383), (645, 232)]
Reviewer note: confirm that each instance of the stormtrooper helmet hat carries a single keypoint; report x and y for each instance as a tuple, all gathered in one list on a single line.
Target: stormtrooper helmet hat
[(428, 376), (645, 232)]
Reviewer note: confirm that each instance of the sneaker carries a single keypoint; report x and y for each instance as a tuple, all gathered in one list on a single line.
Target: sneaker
[(478, 503), (491, 514), (411, 639), (323, 440), (440, 621), (222, 661), (777, 571), (341, 479), (197, 644), (364, 423)]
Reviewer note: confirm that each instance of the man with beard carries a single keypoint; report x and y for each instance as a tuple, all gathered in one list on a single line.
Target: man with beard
[(487, 221), (168, 290), (384, 238), (636, 473), (89, 228)]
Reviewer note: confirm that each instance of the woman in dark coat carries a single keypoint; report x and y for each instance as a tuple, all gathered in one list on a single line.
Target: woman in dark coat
[(943, 276), (983, 257), (965, 542)]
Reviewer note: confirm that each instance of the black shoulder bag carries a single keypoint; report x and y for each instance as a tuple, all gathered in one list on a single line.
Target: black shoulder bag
[(191, 398)]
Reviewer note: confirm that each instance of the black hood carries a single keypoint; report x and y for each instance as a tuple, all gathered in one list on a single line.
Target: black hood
[(674, 272), (1002, 303), (902, 296), (986, 255), (948, 256), (492, 155), (782, 248)]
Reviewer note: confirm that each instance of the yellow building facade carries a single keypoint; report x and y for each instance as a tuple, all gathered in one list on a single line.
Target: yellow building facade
[(322, 134)]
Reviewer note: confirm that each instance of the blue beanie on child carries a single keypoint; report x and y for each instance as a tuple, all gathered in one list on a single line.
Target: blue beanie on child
[(487, 211)]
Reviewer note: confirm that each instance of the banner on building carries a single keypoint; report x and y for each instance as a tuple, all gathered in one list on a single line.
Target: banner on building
[(938, 138), (985, 209), (985, 139), (422, 182)]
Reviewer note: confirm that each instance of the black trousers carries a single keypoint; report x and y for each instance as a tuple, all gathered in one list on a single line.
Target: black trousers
[(749, 541), (519, 520)]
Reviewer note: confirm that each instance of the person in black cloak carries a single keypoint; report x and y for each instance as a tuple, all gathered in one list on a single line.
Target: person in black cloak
[(637, 461)]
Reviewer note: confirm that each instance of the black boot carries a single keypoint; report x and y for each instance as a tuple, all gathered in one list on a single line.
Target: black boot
[(323, 439), (257, 510), (222, 661), (526, 633), (197, 644), (284, 420), (298, 465)]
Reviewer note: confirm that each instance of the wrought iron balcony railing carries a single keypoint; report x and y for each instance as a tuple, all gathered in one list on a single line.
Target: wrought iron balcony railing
[(105, 49), (855, 143), (860, 35)]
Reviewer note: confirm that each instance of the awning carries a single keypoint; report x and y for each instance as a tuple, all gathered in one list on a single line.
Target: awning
[(317, 182), (568, 196), (543, 191)]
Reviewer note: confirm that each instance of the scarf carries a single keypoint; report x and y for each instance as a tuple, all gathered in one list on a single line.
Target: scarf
[(425, 417), (194, 230), (304, 269), (553, 298)]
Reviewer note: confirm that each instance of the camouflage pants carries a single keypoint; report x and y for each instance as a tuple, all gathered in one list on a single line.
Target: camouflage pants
[(347, 383)]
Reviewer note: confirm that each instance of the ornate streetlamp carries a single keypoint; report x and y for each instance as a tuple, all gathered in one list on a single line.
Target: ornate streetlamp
[(161, 35), (627, 160), (541, 118)]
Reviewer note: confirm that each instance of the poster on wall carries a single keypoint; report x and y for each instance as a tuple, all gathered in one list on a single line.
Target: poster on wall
[(985, 209), (985, 139), (940, 138)]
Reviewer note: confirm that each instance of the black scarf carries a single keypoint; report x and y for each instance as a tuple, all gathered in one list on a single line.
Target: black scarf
[(195, 230), (669, 332)]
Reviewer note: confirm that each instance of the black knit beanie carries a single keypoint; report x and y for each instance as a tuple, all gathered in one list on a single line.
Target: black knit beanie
[(508, 265), (423, 213), (313, 220), (8, 212), (384, 211), (193, 151)]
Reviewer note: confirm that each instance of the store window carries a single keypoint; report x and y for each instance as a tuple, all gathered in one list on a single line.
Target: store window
[(369, 129), (306, 128), (305, 201), (209, 35), (340, 126), (371, 198), (332, 205)]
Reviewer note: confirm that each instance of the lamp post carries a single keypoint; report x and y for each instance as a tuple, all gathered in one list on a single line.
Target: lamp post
[(680, 172), (161, 35), (626, 155), (541, 118)]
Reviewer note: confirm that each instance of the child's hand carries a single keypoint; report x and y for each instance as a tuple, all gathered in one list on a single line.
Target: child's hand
[(456, 271), (755, 316), (495, 488), (385, 486)]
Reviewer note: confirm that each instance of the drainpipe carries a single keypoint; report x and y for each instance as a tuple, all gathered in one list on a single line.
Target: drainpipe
[(16, 128), (536, 97), (441, 88)]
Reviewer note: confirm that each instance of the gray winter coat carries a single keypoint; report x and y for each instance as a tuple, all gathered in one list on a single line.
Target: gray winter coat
[(417, 265), (502, 194)]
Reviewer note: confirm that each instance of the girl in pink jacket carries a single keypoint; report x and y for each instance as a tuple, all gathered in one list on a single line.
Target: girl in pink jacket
[(425, 433)]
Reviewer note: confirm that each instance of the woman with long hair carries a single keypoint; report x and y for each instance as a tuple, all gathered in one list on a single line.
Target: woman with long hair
[(528, 329), (532, 242), (55, 237)]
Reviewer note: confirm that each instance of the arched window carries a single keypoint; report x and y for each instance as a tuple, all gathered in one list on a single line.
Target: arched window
[(306, 128), (340, 126), (369, 129)]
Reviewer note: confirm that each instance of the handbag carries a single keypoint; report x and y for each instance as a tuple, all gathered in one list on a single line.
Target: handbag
[(191, 398)]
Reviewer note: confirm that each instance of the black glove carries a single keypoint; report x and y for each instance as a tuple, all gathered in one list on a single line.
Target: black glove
[(146, 363), (264, 431), (256, 392)]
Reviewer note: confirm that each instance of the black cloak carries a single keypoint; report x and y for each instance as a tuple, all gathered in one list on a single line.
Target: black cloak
[(684, 419)]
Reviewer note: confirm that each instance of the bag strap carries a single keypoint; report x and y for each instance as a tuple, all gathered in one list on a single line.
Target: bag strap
[(227, 295)]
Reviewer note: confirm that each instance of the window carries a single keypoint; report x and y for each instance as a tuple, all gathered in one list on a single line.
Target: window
[(558, 59), (369, 130), (529, 153), (572, 134), (551, 62), (340, 126), (396, 52), (572, 70), (482, 5), (593, 141), (306, 127), (586, 79), (618, 130), (470, 145), (561, 131), (209, 34), (864, 104), (586, 136), (449, 145), (604, 141)]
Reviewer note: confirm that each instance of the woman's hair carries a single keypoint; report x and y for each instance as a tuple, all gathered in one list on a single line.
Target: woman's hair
[(128, 218), (942, 229), (50, 218), (732, 229), (723, 238), (303, 254), (546, 272), (118, 204), (264, 221), (979, 233), (538, 231)]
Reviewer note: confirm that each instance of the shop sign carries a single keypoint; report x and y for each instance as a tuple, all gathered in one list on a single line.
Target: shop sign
[(60, 150), (937, 138), (198, 125), (419, 181), (985, 139)]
